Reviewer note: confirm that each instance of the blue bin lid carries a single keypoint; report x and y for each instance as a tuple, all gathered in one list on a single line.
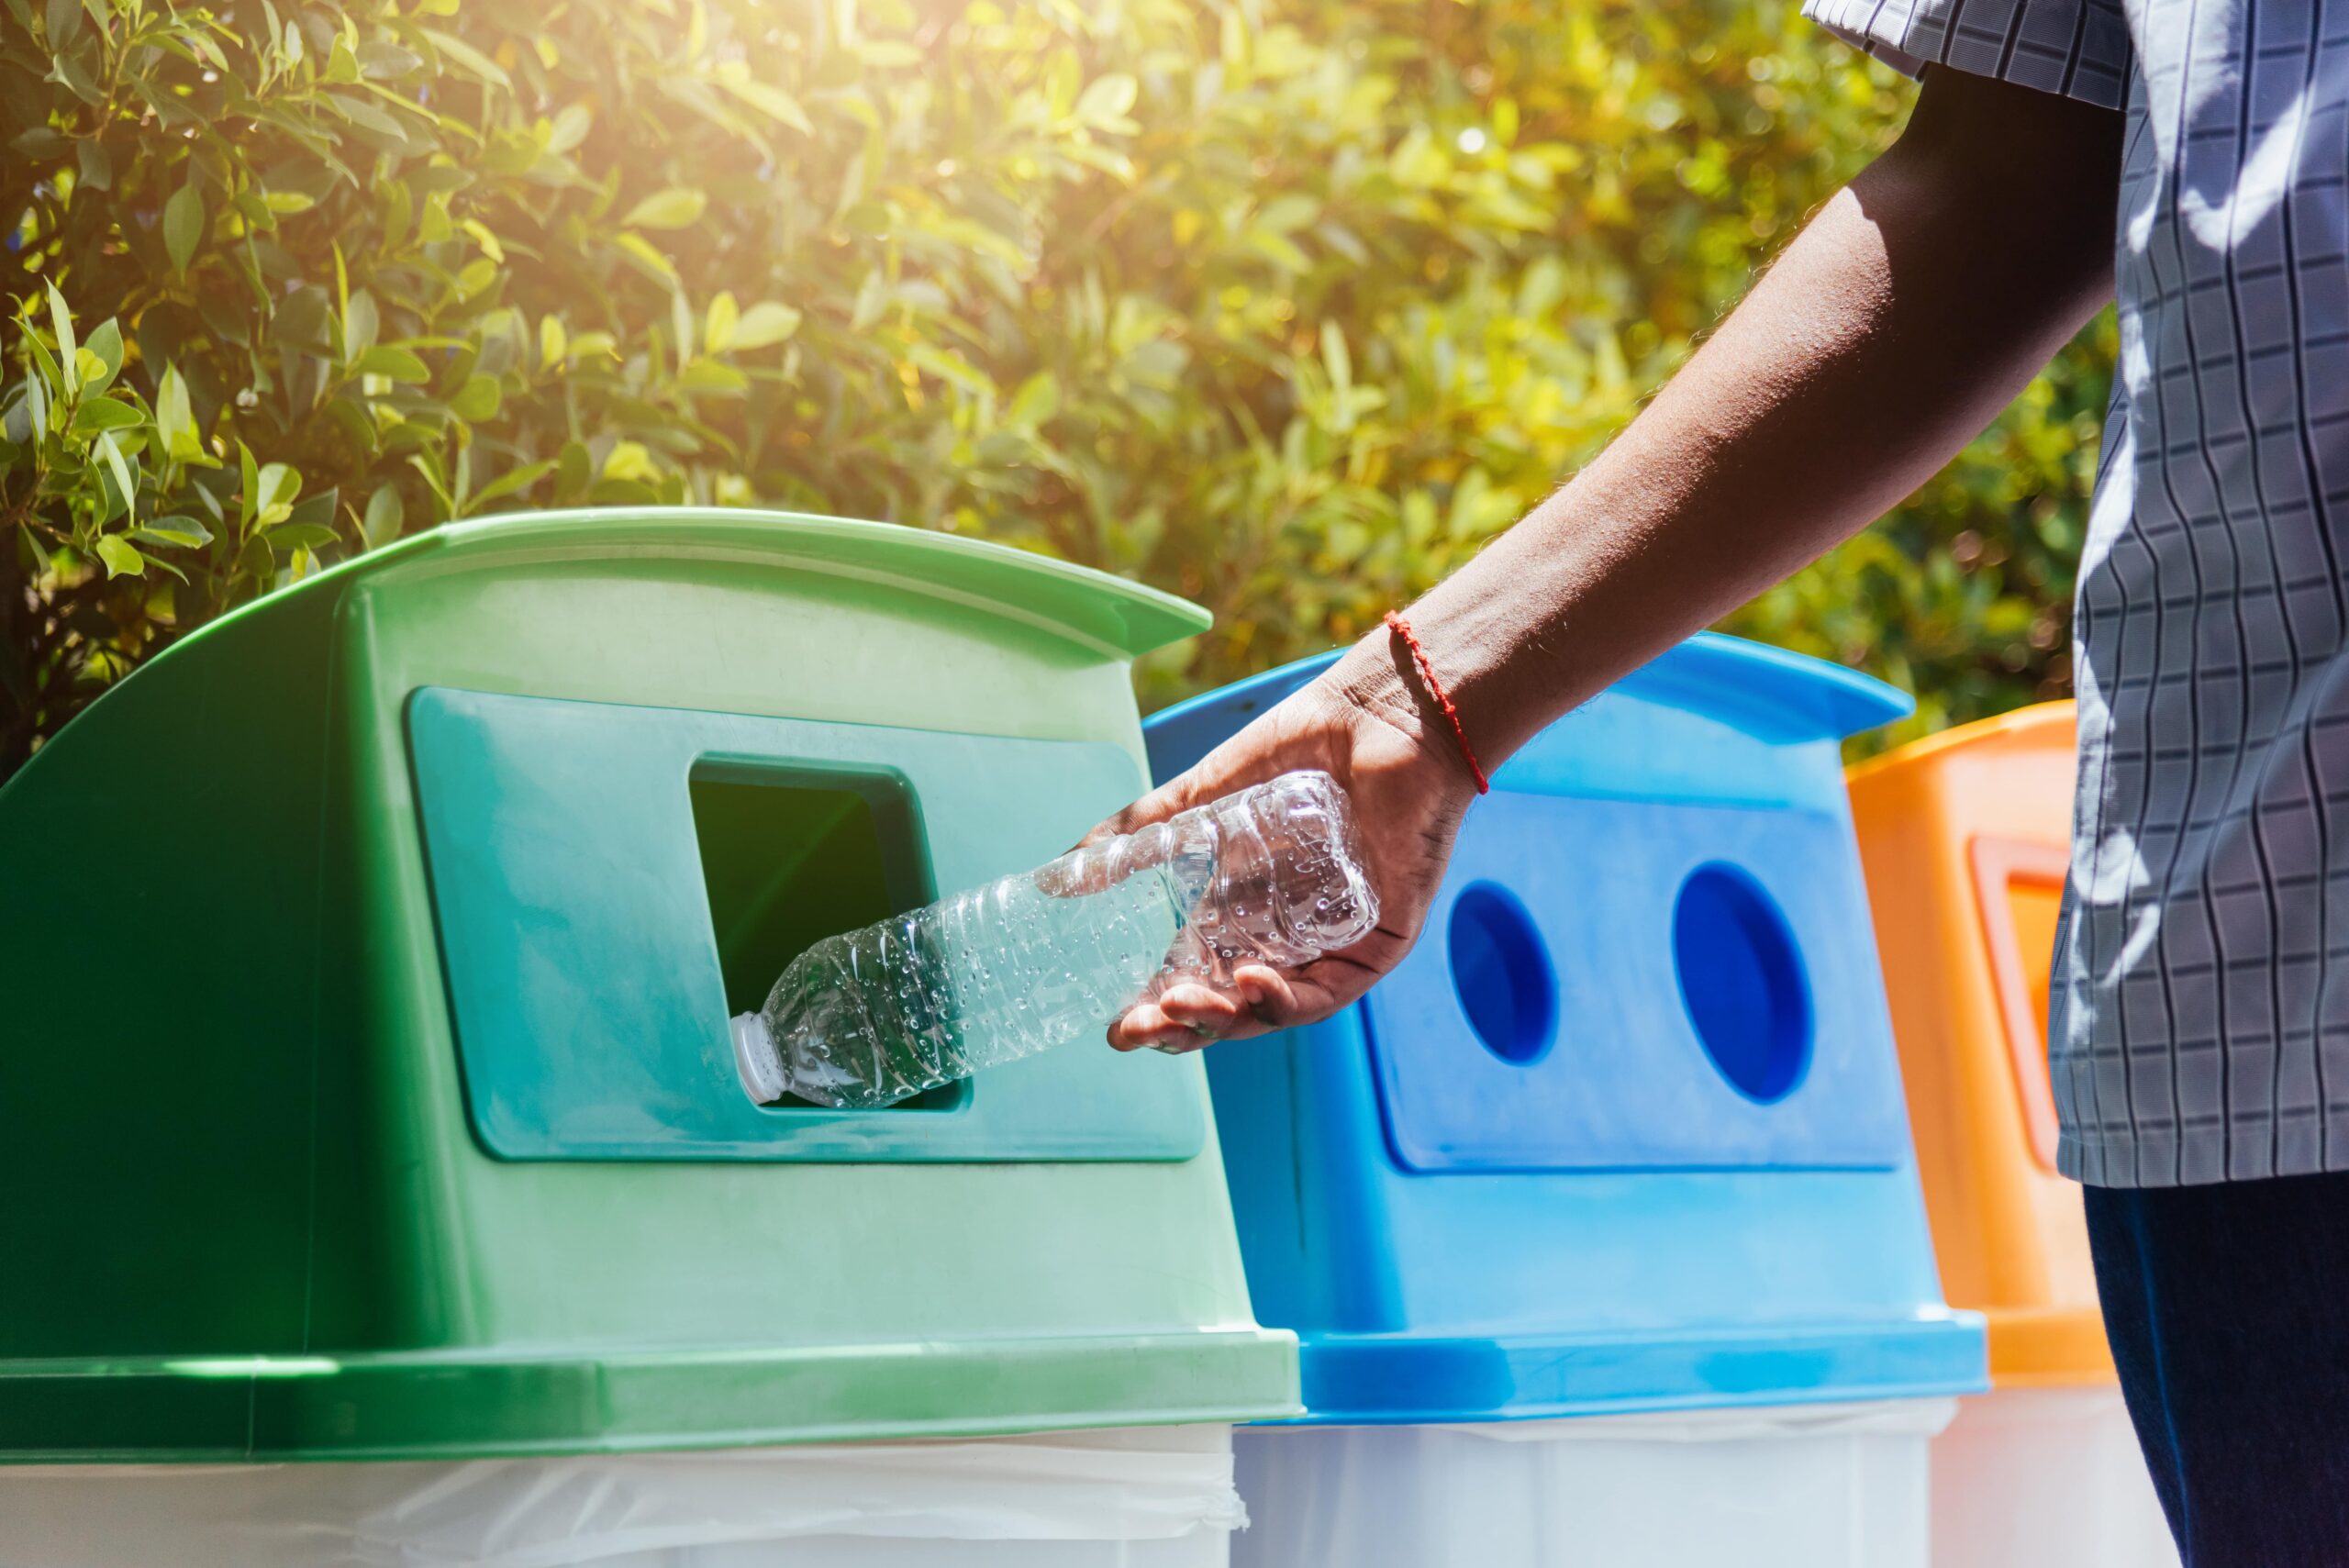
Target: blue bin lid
[(1552, 1165), (1773, 693)]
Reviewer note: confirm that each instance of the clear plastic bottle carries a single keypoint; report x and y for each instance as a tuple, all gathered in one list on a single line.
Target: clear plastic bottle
[(1272, 874)]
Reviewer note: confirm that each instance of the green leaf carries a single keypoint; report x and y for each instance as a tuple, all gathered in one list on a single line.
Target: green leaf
[(1107, 98), (72, 70), (249, 494), (718, 324), (64, 18), (380, 59), (1287, 213), (762, 325), (61, 320), (183, 224), (574, 470), (428, 465), (951, 367), (553, 342), (384, 516), (42, 143), (477, 400), (360, 326), (631, 460), (175, 418), (673, 208), (317, 509), (97, 165), (106, 344), (778, 105), (484, 238), (42, 565), (641, 250), (511, 482), (396, 364), (589, 345), (569, 127), (300, 535), (121, 557), (1279, 249), (623, 492), (370, 124), (124, 484), (278, 484), (184, 532), (468, 59), (1038, 400), (399, 208), (48, 379), (98, 414), (1335, 356), (709, 375)]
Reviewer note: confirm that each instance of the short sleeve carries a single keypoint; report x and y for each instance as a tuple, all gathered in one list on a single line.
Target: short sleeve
[(2077, 47)]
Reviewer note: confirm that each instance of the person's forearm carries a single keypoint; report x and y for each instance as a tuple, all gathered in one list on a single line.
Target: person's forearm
[(1891, 331)]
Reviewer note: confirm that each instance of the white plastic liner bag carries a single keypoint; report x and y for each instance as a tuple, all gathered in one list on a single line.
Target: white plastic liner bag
[(1158, 1497), (1804, 1486), (2045, 1478)]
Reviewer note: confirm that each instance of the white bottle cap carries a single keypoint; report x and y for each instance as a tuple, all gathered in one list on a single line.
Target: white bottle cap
[(755, 1059)]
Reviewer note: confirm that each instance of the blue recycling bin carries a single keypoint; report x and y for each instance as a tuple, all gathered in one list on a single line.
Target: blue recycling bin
[(1600, 1214)]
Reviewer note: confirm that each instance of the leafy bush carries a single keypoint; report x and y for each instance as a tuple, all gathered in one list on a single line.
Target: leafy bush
[(1284, 305)]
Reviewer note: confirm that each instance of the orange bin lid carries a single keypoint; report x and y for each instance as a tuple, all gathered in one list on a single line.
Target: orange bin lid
[(1965, 838)]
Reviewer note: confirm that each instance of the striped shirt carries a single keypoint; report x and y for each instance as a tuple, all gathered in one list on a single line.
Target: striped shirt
[(2200, 1019)]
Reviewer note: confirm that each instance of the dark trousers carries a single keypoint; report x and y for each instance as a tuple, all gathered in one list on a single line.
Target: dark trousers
[(2228, 1308)]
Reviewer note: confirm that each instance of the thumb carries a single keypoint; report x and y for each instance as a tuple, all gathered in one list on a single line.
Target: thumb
[(1245, 758), (1086, 869), (1172, 798), (1081, 871)]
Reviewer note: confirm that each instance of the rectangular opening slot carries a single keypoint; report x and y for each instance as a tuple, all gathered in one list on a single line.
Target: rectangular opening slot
[(2020, 889), (790, 856)]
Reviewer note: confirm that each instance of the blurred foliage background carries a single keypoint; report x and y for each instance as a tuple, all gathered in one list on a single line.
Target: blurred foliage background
[(1286, 306)]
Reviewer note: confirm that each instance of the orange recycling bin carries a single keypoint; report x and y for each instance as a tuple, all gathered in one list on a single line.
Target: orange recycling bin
[(1965, 837)]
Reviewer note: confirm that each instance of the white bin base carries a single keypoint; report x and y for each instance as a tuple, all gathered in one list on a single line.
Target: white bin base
[(2031, 1476), (1157, 1497), (1805, 1486)]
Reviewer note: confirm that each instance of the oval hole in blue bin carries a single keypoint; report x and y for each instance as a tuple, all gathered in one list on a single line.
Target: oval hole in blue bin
[(1742, 979), (1502, 975)]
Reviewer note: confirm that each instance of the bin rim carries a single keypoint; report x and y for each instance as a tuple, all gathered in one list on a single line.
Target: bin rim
[(2022, 723), (1781, 693), (1110, 613)]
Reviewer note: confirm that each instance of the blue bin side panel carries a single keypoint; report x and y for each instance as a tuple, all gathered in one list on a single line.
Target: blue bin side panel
[(1294, 1111), (1624, 1081)]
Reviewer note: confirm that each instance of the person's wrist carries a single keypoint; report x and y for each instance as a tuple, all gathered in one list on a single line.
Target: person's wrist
[(1377, 683)]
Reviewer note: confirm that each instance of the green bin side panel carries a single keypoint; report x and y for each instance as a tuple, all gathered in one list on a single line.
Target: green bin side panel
[(161, 924), (583, 973)]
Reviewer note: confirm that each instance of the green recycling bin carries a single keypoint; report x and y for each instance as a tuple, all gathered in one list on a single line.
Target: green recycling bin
[(367, 1097)]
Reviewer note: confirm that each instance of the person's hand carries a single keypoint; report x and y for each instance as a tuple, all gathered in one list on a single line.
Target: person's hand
[(1365, 723)]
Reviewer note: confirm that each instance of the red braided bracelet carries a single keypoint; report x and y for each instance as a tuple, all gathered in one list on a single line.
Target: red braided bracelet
[(1401, 627)]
